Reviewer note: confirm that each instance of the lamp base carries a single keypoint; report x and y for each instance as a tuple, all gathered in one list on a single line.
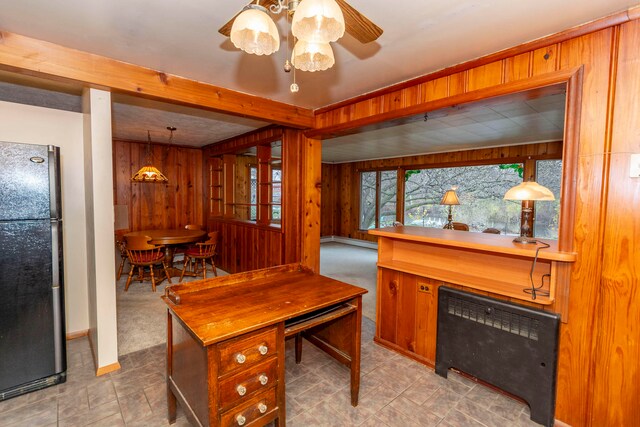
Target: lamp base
[(524, 239)]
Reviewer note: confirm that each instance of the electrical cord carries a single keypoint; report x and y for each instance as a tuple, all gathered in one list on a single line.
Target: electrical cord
[(537, 290)]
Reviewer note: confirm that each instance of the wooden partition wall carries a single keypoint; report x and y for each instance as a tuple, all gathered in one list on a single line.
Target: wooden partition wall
[(599, 345), (341, 182), (246, 245), (158, 205)]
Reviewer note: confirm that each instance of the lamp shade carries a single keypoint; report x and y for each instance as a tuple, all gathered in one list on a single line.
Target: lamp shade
[(319, 21), (450, 198), (254, 31), (529, 190), (149, 174), (312, 57)]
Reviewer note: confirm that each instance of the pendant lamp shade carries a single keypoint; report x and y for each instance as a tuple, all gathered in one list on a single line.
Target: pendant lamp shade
[(254, 31), (148, 172), (319, 21), (312, 57)]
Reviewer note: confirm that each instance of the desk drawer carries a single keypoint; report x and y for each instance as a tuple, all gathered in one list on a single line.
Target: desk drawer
[(245, 351), (260, 407), (246, 382)]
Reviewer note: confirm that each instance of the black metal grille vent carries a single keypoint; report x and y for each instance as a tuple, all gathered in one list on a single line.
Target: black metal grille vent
[(504, 320)]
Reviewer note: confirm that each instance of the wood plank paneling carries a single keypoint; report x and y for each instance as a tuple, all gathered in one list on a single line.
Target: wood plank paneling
[(616, 376), (159, 205)]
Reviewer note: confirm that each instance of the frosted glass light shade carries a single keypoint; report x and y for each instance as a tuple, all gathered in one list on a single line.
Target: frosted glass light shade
[(312, 56), (529, 190), (254, 32), (319, 21)]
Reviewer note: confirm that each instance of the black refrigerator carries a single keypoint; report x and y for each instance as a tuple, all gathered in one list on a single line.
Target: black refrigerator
[(32, 329)]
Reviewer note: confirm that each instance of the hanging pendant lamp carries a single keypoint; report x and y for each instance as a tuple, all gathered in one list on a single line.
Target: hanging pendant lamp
[(319, 21), (312, 57), (254, 31), (148, 172)]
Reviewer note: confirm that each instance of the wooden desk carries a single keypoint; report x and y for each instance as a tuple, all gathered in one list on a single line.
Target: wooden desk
[(170, 237), (225, 341)]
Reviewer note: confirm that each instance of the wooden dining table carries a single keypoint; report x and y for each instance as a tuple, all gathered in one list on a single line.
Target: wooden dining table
[(170, 238)]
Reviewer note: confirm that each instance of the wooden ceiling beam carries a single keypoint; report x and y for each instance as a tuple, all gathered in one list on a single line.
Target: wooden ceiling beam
[(35, 57)]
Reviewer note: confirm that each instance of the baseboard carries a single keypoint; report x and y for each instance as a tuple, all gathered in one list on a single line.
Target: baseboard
[(77, 334), (103, 370), (349, 241)]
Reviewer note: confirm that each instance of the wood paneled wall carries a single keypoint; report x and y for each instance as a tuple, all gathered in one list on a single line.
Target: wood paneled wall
[(245, 245), (598, 372), (159, 205), (341, 186)]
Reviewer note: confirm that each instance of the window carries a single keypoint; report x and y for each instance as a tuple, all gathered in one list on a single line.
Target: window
[(247, 185), (547, 214), (276, 193), (480, 190), (378, 198)]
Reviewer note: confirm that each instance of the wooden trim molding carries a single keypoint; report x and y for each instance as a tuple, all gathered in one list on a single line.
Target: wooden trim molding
[(35, 57), (580, 30), (509, 88), (77, 334), (103, 370)]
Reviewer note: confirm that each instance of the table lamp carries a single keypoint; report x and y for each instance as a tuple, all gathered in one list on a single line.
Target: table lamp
[(450, 198), (528, 191)]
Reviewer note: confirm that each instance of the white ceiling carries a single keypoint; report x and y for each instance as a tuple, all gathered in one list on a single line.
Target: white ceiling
[(509, 122), (181, 38)]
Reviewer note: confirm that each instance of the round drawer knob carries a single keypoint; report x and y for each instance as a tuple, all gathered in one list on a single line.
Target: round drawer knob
[(263, 379), (241, 420), (242, 390), (241, 358), (262, 408), (263, 349)]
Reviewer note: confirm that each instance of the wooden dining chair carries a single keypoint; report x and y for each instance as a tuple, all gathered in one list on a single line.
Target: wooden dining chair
[(142, 254), (491, 230), (182, 248), (460, 226), (201, 252), (121, 245)]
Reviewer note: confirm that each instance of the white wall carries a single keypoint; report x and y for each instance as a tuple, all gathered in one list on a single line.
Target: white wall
[(103, 331), (45, 126)]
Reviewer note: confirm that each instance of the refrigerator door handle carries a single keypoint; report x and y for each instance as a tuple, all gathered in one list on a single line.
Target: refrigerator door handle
[(55, 202), (57, 296), (58, 340)]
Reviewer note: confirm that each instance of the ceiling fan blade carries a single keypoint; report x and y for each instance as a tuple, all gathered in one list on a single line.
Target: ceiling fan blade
[(225, 30), (358, 25)]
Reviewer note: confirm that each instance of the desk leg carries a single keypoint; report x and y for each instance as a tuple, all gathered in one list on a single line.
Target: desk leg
[(355, 353), (171, 398)]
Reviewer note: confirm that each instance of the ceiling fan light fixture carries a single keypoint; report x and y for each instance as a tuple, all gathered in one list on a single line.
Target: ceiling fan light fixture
[(312, 57), (254, 31), (319, 21)]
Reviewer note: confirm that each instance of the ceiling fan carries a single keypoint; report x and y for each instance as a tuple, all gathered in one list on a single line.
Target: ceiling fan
[(355, 23)]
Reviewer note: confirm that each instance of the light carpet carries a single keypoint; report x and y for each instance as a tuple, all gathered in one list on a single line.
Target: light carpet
[(354, 265), (142, 315)]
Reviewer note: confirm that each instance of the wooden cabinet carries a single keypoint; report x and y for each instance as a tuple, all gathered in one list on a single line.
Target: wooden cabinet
[(407, 313), (413, 262)]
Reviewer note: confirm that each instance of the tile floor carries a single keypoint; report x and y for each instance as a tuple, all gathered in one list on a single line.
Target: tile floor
[(395, 391)]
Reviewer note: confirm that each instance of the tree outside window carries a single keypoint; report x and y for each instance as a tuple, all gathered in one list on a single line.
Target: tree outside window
[(480, 189), (547, 214), (378, 199)]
